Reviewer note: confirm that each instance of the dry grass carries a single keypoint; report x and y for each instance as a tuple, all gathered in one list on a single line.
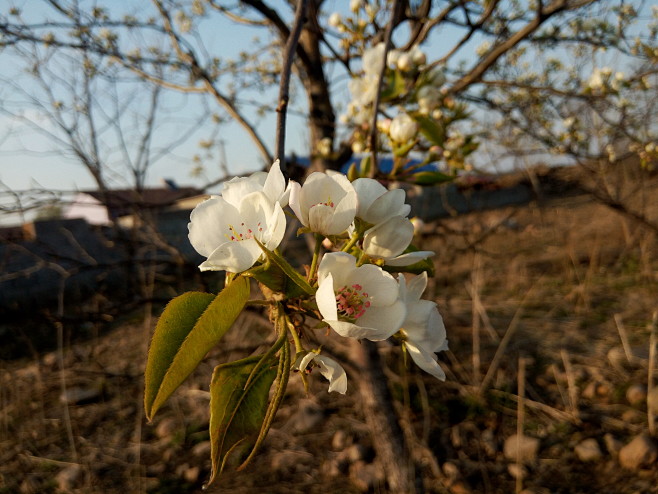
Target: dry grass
[(549, 313)]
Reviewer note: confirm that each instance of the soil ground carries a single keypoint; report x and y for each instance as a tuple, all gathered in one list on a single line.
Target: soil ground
[(540, 295)]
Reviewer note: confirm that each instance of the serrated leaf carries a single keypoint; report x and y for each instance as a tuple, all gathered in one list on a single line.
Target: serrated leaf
[(186, 331), (237, 410), (431, 178)]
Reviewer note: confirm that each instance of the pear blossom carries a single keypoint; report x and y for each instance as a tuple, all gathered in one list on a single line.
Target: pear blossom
[(335, 20), (358, 302), (225, 228), (423, 330), (326, 203), (403, 128), (392, 231), (329, 368), (428, 98)]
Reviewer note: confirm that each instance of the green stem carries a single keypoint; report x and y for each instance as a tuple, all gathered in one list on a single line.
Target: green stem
[(316, 256), (260, 302), (283, 333), (353, 240)]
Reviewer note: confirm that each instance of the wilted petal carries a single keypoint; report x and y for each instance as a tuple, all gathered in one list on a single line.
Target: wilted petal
[(409, 258), (334, 372), (426, 361)]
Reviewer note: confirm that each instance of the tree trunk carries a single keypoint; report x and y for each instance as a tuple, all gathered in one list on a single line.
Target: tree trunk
[(377, 402)]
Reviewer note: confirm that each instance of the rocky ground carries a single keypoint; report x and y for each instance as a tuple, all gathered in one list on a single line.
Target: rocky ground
[(549, 313)]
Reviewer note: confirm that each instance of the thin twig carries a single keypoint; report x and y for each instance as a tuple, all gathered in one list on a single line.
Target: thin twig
[(623, 335), (652, 362), (571, 383), (397, 4), (284, 87), (520, 419)]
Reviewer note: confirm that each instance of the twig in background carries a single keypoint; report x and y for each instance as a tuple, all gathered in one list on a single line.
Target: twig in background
[(624, 337), (520, 419), (475, 288), (495, 362), (651, 413), (482, 312), (571, 383), (284, 86)]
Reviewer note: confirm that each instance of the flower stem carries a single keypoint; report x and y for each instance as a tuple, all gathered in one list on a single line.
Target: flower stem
[(353, 240), (316, 256)]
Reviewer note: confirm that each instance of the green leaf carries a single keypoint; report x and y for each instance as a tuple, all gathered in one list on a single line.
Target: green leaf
[(237, 410), (431, 178), (188, 328), (395, 86), (431, 130), (175, 323)]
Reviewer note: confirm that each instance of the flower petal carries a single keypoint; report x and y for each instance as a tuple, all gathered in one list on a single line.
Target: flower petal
[(383, 322), (275, 183), (339, 264), (234, 257), (295, 202), (417, 286), (381, 287), (326, 298), (409, 258), (389, 204), (426, 361), (334, 372), (207, 221), (367, 191), (390, 238)]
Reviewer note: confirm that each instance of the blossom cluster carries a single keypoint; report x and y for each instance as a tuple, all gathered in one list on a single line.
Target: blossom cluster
[(369, 231)]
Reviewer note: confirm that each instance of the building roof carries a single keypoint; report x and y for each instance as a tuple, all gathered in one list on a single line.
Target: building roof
[(123, 201)]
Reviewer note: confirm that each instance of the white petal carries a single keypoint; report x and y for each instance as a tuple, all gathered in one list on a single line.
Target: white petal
[(333, 371), (295, 202), (344, 213), (326, 298), (237, 188), (367, 191), (275, 183), (426, 361), (350, 330), (276, 228), (339, 264), (234, 257), (390, 238), (389, 204), (384, 322), (417, 286), (409, 258), (321, 220), (381, 287), (303, 364), (207, 224)]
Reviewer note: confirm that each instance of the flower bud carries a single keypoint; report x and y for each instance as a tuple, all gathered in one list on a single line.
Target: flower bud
[(335, 20), (405, 62), (403, 128)]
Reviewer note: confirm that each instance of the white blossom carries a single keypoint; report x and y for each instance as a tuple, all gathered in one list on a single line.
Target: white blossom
[(326, 203), (358, 302)]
